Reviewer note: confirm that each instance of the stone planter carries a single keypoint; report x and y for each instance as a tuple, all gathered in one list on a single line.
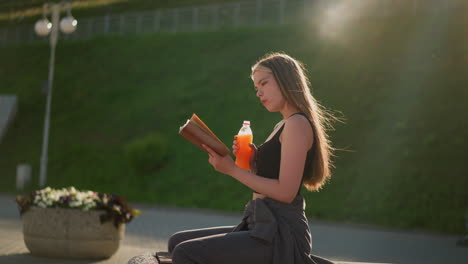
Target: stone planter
[(70, 233)]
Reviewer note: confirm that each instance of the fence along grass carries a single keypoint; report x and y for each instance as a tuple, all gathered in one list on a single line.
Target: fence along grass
[(184, 19), (201, 18)]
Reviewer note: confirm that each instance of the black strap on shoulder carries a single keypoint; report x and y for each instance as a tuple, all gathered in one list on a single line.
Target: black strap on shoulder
[(303, 114)]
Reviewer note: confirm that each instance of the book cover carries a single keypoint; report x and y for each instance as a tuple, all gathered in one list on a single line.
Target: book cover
[(197, 132)]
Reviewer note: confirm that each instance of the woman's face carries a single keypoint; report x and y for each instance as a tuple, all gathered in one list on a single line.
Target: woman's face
[(268, 91)]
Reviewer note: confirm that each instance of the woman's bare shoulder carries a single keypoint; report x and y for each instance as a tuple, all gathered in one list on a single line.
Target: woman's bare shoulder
[(297, 122), (298, 127)]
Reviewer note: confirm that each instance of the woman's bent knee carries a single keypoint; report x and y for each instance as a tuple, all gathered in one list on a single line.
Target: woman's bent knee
[(179, 254), (174, 240)]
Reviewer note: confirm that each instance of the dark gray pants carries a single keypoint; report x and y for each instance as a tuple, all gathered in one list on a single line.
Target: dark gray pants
[(217, 245)]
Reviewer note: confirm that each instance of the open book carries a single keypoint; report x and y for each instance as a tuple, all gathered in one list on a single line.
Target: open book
[(195, 131)]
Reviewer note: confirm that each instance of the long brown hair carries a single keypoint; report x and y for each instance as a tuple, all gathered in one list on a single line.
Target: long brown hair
[(290, 74)]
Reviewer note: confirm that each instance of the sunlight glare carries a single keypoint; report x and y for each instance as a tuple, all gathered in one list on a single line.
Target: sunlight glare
[(339, 15)]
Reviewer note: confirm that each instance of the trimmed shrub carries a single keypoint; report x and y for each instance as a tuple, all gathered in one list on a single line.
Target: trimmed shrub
[(148, 153)]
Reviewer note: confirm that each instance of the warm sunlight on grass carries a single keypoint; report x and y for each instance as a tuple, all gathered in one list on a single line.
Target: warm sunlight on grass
[(337, 17)]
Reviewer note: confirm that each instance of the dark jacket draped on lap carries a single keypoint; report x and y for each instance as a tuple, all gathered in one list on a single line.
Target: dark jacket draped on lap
[(283, 225)]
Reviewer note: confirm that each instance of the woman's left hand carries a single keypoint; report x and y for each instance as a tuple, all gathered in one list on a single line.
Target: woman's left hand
[(221, 164)]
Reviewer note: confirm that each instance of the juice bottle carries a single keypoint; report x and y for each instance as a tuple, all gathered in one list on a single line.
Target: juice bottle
[(244, 152)]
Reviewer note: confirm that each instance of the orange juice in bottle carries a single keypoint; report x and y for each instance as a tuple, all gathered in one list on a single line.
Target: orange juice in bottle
[(244, 152)]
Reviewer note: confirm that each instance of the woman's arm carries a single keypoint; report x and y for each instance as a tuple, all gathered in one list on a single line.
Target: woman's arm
[(296, 140)]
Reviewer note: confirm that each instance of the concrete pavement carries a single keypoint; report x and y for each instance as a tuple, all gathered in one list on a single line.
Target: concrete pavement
[(343, 243)]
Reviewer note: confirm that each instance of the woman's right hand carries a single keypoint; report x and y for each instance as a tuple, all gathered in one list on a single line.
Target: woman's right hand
[(253, 164), (253, 158), (235, 147)]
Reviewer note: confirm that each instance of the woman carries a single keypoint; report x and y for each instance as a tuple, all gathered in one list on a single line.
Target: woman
[(274, 228)]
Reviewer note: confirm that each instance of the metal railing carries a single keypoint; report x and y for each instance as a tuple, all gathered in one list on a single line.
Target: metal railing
[(186, 19), (218, 17)]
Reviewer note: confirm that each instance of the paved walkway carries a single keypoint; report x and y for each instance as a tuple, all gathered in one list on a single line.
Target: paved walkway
[(345, 244)]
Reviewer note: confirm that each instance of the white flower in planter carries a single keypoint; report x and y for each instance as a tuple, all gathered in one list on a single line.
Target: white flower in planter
[(116, 207), (103, 225)]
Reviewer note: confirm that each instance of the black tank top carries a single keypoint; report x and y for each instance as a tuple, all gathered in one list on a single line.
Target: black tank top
[(268, 157)]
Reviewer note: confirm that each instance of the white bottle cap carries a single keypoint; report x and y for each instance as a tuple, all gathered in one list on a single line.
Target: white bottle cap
[(246, 123)]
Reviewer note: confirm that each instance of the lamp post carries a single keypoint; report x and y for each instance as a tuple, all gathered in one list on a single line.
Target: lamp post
[(43, 27)]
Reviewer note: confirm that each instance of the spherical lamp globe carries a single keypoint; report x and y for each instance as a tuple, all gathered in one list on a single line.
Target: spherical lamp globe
[(68, 24), (43, 27)]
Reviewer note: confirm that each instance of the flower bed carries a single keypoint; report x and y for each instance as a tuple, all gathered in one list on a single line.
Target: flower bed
[(115, 206), (73, 224)]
